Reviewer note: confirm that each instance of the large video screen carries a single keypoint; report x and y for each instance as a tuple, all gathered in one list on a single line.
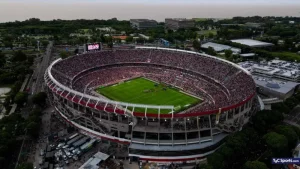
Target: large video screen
[(94, 46)]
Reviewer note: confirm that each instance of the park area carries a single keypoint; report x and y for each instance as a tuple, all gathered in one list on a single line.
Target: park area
[(144, 91)]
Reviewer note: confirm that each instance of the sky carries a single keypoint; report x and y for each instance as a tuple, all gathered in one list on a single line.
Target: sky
[(11, 10)]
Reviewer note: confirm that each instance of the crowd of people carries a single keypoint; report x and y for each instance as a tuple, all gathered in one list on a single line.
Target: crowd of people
[(219, 83)]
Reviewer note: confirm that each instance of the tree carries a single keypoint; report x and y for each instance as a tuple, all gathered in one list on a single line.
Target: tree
[(110, 45), (196, 45), (33, 129), (76, 51), (211, 51), (129, 39), (291, 102), (20, 98), (44, 43), (19, 56), (226, 151), (297, 130), (108, 39), (30, 60), (201, 37), (228, 53), (2, 59), (210, 35), (64, 54), (8, 44), (39, 99), (264, 120), (255, 165), (277, 143), (25, 166), (216, 160), (281, 107), (289, 133), (205, 166)]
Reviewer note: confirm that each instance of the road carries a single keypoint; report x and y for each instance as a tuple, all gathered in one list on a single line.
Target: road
[(38, 74), (42, 142)]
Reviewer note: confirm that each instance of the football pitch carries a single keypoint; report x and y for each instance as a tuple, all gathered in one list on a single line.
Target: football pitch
[(144, 91)]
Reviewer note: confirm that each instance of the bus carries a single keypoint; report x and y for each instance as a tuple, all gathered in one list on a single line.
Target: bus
[(73, 136), (81, 141), (85, 147), (74, 140)]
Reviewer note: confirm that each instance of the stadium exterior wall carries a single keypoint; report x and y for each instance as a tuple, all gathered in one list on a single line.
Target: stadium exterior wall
[(78, 110)]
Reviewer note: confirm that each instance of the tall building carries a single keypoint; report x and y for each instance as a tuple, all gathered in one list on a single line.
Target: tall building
[(176, 23), (143, 23)]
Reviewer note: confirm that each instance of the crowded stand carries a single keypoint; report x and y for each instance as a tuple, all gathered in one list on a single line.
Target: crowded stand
[(220, 84)]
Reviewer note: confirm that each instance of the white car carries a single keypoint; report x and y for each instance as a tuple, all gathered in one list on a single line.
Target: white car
[(64, 156), (66, 146), (75, 151), (75, 157), (42, 152)]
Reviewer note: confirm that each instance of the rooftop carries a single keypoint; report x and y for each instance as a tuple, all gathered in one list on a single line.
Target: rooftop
[(252, 43), (247, 54), (180, 19), (273, 67), (275, 85), (93, 162), (217, 47)]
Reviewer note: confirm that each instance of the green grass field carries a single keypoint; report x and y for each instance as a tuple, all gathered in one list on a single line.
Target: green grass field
[(143, 91)]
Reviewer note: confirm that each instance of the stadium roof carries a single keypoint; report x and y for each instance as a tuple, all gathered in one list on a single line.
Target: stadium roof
[(252, 43), (180, 147)]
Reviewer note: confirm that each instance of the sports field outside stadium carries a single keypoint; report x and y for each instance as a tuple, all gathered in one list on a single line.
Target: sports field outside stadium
[(144, 91)]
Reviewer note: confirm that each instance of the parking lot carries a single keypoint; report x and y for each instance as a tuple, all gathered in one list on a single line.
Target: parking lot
[(56, 148)]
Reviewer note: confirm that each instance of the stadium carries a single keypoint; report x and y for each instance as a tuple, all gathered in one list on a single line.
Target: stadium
[(163, 105)]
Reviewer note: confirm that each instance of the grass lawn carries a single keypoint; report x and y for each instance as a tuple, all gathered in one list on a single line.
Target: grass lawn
[(207, 32), (286, 55), (143, 91)]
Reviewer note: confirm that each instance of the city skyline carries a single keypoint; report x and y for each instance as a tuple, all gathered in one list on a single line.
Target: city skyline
[(103, 9)]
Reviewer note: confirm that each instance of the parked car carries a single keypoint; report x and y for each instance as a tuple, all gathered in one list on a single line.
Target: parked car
[(42, 152), (66, 146)]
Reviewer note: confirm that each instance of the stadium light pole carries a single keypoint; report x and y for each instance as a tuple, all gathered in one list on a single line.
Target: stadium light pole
[(38, 45)]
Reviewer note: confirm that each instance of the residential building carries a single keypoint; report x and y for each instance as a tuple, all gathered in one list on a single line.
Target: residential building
[(143, 23), (177, 23)]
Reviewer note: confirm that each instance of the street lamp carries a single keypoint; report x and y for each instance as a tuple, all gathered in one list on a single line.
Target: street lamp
[(38, 45)]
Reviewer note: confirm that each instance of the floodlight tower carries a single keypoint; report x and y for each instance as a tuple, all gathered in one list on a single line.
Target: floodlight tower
[(38, 45)]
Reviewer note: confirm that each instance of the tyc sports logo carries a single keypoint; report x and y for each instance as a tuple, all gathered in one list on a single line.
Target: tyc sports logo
[(285, 160)]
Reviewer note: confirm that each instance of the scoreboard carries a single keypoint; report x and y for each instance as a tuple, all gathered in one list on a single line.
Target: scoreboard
[(93, 46)]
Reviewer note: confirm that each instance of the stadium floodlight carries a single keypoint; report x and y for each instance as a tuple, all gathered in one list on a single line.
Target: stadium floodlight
[(38, 45)]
